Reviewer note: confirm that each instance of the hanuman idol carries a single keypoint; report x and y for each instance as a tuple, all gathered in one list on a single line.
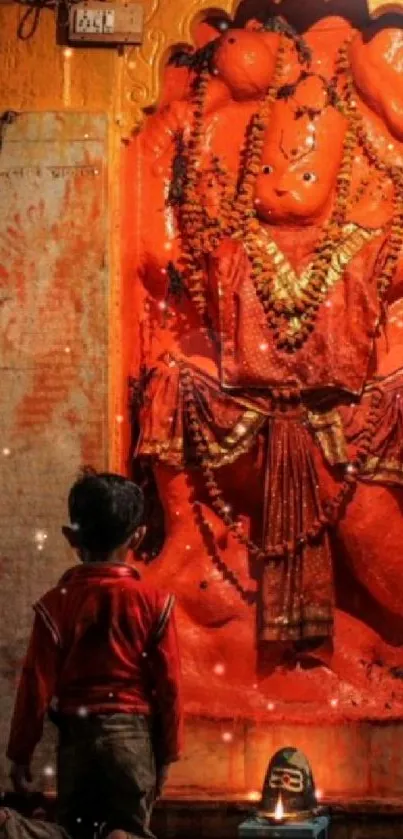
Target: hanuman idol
[(271, 273)]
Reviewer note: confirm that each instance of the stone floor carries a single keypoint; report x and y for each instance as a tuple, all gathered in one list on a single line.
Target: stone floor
[(188, 818), (220, 819)]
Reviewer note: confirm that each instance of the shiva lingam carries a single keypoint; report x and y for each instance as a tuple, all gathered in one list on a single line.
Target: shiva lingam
[(289, 788), (289, 807)]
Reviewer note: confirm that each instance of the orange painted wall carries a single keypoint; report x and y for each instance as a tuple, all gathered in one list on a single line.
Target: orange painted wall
[(32, 72)]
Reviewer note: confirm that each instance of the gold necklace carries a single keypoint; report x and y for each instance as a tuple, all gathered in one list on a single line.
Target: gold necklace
[(287, 289)]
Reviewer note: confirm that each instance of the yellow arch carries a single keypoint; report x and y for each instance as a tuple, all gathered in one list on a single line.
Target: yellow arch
[(382, 7)]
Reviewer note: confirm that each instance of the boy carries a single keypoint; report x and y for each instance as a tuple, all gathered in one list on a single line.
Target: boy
[(103, 653)]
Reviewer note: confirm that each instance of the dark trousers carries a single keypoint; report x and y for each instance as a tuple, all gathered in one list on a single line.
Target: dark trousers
[(106, 780)]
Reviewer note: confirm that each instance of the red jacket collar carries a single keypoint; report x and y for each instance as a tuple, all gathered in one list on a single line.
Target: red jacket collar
[(100, 571)]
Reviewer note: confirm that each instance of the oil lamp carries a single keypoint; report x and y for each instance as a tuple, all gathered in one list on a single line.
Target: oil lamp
[(288, 807), (279, 812)]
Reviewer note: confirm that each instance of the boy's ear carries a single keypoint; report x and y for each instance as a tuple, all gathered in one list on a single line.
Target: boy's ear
[(72, 536), (138, 537)]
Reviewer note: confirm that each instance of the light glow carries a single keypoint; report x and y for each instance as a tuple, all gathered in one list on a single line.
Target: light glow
[(279, 809)]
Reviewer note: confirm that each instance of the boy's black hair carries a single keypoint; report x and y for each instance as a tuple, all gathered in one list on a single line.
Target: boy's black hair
[(105, 510)]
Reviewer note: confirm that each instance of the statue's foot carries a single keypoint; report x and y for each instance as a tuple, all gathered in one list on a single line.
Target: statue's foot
[(360, 678), (371, 667)]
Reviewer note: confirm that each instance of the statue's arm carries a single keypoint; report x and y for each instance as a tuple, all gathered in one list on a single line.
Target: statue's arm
[(377, 68)]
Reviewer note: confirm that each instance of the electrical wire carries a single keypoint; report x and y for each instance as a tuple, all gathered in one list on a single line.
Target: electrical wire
[(30, 19)]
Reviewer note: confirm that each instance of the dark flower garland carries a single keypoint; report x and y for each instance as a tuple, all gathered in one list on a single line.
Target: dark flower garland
[(243, 208), (304, 307), (395, 238)]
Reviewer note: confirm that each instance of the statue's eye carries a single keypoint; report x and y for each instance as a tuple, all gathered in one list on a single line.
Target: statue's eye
[(310, 177), (267, 169)]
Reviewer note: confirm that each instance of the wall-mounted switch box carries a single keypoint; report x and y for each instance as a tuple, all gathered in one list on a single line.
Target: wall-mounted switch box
[(100, 22)]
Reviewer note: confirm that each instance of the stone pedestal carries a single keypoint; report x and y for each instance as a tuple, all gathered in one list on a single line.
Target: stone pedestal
[(259, 828)]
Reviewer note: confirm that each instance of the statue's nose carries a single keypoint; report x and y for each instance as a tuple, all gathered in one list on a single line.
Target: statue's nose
[(280, 192)]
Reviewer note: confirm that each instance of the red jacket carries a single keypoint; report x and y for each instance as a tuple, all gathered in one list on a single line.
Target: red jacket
[(102, 642)]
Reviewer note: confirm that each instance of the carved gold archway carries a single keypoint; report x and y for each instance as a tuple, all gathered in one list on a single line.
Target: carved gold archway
[(168, 23), (382, 7)]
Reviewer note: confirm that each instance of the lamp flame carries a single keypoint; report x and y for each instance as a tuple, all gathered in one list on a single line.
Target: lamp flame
[(279, 809)]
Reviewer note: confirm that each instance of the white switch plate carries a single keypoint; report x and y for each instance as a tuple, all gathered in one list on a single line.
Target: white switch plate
[(109, 21), (88, 21), (105, 22)]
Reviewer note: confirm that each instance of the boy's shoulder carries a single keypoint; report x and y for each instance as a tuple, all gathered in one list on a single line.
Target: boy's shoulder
[(144, 600), (127, 577), (158, 596)]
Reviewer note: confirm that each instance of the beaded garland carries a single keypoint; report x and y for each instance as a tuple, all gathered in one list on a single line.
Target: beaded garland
[(331, 509), (291, 317), (395, 239)]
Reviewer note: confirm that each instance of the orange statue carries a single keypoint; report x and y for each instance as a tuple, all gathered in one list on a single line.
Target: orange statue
[(272, 354)]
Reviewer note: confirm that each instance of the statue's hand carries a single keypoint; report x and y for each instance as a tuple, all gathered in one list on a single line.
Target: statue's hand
[(377, 68)]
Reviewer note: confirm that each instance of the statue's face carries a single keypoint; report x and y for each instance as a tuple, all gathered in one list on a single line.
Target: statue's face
[(301, 158)]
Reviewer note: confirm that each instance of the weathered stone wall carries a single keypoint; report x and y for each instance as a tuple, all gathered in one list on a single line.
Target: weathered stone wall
[(53, 313)]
